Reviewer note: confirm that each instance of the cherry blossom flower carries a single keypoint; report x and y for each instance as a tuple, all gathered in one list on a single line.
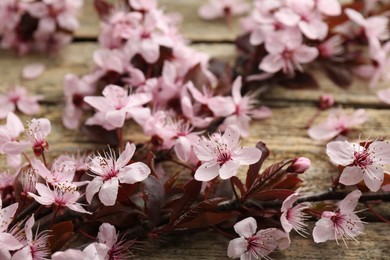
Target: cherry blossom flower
[(338, 122), (117, 105), (9, 144), (299, 165), (325, 101), (293, 217), (7, 241), (62, 170), (7, 181), (29, 180), (362, 162), (244, 109), (252, 245), (375, 27), (37, 131), (219, 8), (109, 172), (143, 5), (222, 155), (343, 223), (62, 196), (286, 52), (35, 248), (17, 98), (329, 7), (332, 47)]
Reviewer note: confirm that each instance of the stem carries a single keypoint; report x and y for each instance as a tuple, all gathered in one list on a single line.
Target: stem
[(86, 234), (53, 220), (26, 157), (234, 191), (376, 214), (311, 120), (120, 139), (44, 158)]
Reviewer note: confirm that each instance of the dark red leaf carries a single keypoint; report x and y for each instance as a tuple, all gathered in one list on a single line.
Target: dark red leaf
[(103, 8), (339, 74), (154, 198), (196, 75), (254, 169), (276, 194), (61, 233), (207, 219), (301, 80), (100, 135), (119, 215), (289, 182), (237, 182)]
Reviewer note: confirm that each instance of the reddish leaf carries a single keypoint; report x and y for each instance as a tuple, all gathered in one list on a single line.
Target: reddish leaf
[(289, 182), (223, 72), (339, 74), (118, 215), (103, 8), (61, 233), (100, 135), (237, 182), (275, 194), (207, 219), (154, 199), (301, 80), (254, 169), (191, 193)]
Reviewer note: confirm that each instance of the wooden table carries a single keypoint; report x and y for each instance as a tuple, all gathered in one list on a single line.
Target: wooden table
[(284, 132)]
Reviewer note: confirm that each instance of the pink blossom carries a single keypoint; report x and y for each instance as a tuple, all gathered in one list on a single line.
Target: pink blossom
[(329, 7), (75, 89), (338, 122), (9, 143), (143, 5), (375, 27), (343, 223), (222, 155), (38, 130), (28, 180), (35, 248), (190, 112), (109, 172), (62, 171), (17, 98), (326, 101), (219, 8), (252, 245), (380, 64), (117, 105), (245, 109), (331, 47), (299, 165), (7, 241), (33, 71), (110, 60), (61, 196), (94, 251), (293, 217), (286, 52), (362, 162)]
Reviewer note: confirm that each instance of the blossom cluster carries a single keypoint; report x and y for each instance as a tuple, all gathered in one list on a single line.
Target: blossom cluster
[(38, 25)]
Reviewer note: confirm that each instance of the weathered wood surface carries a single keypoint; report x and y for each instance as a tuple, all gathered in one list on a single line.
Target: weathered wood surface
[(284, 133)]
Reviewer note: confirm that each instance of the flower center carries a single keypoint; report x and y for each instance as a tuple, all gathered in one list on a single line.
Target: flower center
[(223, 157), (362, 159)]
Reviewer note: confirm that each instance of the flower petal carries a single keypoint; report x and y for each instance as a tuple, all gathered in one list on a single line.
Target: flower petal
[(246, 227), (33, 71), (380, 151), (109, 191), (126, 155), (340, 152), (323, 230), (237, 247), (92, 188), (133, 173), (349, 203), (351, 175), (247, 155), (373, 177), (207, 171), (229, 169)]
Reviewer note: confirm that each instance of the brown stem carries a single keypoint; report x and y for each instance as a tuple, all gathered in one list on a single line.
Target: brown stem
[(376, 214), (120, 139), (44, 158), (53, 220), (234, 190)]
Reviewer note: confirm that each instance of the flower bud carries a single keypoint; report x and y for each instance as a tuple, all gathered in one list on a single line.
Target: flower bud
[(299, 165), (326, 101)]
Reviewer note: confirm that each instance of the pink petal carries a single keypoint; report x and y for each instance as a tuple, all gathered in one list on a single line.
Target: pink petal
[(271, 63), (14, 148), (231, 136), (14, 125), (247, 155), (229, 169), (203, 152), (109, 191), (323, 230), (340, 152), (373, 177), (6, 216), (77, 207), (236, 90), (207, 171), (14, 161), (28, 106), (222, 106), (33, 71), (355, 16), (237, 247), (257, 37), (99, 103), (306, 54), (349, 203), (287, 16), (69, 254), (351, 175), (183, 148), (22, 254), (135, 172), (329, 7), (150, 51), (126, 155), (358, 117), (92, 188), (261, 113), (68, 21), (289, 201), (380, 151), (246, 227), (116, 118), (9, 242), (323, 132), (107, 235), (209, 12)]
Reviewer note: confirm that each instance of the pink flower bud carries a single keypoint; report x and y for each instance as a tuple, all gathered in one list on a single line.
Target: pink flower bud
[(326, 101), (299, 165)]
